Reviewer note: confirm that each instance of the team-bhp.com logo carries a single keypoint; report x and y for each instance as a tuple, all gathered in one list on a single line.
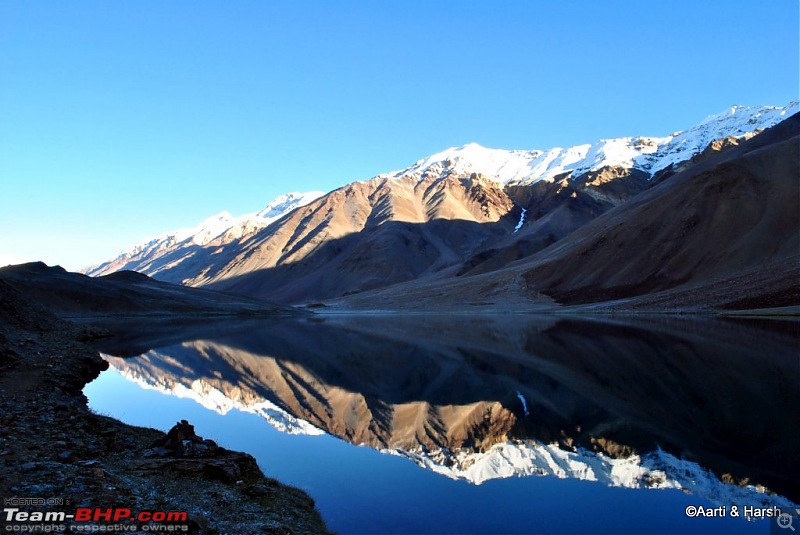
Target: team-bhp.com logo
[(86, 519), (85, 514)]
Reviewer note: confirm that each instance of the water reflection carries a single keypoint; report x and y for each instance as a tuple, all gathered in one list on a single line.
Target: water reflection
[(644, 403)]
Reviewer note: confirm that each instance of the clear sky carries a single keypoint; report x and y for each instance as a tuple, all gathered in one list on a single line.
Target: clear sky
[(121, 120)]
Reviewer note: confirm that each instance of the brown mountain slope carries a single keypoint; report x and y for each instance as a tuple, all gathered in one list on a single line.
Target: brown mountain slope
[(555, 209), (728, 215), (457, 213), (385, 230), (365, 235), (373, 234), (733, 216)]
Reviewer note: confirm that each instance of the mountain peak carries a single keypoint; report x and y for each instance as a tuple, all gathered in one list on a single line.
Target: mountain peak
[(221, 224), (283, 203), (470, 146), (222, 250), (736, 121), (649, 154)]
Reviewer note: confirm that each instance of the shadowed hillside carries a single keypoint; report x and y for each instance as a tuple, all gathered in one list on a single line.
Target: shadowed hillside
[(723, 233)]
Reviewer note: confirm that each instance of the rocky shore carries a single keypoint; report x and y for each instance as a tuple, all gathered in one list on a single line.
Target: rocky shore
[(53, 446)]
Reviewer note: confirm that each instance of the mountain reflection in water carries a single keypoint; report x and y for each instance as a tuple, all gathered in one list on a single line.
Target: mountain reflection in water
[(638, 403)]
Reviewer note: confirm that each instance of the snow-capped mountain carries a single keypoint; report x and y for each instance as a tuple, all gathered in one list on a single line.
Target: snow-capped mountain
[(717, 232), (222, 227), (648, 154), (737, 122), (460, 209)]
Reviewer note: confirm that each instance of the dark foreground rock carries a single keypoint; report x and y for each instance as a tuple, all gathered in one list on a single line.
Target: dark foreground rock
[(51, 445)]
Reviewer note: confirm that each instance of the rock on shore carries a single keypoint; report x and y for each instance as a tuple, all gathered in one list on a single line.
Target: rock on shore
[(51, 445)]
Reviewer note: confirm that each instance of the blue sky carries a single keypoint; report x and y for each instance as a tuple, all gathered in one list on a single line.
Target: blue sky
[(121, 120)]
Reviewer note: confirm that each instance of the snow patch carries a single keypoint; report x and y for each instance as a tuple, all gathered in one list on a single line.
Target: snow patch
[(516, 229)]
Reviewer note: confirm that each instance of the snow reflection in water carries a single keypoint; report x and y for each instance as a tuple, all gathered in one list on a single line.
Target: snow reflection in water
[(452, 395)]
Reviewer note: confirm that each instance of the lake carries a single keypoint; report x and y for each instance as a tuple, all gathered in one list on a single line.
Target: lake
[(494, 424)]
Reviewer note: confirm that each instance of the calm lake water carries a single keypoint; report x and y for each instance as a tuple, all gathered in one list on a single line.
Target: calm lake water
[(485, 424)]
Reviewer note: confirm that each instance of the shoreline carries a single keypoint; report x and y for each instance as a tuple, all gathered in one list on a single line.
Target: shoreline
[(792, 312), (53, 446)]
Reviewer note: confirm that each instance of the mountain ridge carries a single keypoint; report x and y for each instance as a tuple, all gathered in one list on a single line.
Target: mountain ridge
[(648, 153), (461, 207), (212, 228), (722, 233)]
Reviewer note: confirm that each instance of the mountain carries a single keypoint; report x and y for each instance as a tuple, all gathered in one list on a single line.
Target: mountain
[(464, 211), (189, 247), (721, 233), (730, 214), (648, 154)]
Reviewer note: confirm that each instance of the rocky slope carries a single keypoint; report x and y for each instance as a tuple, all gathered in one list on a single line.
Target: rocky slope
[(365, 235), (457, 212), (51, 445), (187, 250), (731, 214), (721, 233)]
